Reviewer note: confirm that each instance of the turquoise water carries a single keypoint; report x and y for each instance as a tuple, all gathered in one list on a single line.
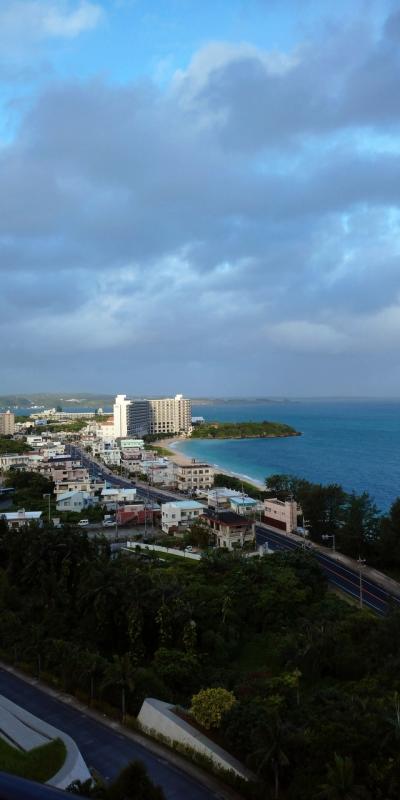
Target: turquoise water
[(355, 443)]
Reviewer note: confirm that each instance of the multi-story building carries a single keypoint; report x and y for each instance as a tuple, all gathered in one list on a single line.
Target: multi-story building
[(160, 416), (194, 476), (231, 530), (281, 514), (7, 423), (139, 418), (121, 407), (180, 514)]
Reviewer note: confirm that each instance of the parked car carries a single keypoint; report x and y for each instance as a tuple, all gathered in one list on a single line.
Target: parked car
[(108, 523), (83, 523)]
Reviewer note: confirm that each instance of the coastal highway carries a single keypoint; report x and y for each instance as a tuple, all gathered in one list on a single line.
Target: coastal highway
[(101, 472), (340, 571), (103, 747)]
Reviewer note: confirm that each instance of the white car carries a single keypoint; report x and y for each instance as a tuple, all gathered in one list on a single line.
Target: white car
[(83, 523), (108, 523)]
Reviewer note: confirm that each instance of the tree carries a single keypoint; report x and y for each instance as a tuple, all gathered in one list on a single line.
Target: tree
[(209, 706), (340, 782), (360, 530), (120, 672), (133, 783)]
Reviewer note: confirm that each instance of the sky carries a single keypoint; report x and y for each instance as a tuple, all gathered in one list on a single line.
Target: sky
[(200, 197)]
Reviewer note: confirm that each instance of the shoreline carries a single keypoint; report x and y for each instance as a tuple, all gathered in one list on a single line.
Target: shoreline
[(181, 459)]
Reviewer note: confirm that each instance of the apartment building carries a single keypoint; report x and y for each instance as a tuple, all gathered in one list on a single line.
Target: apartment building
[(7, 423), (194, 476), (166, 415)]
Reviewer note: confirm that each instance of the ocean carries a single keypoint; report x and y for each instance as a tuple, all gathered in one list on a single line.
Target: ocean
[(352, 442)]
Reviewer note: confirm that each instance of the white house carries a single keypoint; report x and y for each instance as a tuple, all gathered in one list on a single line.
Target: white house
[(180, 514), (21, 518), (117, 495), (75, 501), (244, 505)]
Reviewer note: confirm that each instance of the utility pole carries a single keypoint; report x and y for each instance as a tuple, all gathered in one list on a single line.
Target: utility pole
[(361, 564)]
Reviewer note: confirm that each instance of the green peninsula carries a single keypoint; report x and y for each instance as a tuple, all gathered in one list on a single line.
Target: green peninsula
[(242, 430)]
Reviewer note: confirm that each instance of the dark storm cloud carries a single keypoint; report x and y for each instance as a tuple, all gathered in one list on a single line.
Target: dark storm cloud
[(252, 207)]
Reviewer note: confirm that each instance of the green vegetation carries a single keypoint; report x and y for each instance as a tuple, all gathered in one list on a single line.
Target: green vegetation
[(209, 706), (220, 479), (132, 783), (68, 427), (312, 675), (10, 446), (359, 529), (242, 430), (29, 490), (39, 764), (161, 451)]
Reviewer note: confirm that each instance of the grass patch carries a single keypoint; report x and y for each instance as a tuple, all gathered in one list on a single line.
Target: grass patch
[(39, 764)]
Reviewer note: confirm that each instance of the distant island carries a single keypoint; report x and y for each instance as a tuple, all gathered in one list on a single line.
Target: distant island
[(242, 430)]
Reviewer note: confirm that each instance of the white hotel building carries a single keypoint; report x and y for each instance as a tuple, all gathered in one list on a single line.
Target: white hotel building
[(166, 415)]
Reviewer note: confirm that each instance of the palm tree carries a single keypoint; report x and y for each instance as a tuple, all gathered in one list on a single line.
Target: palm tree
[(273, 756), (120, 672), (340, 782)]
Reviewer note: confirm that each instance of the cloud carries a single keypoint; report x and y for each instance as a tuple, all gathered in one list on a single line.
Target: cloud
[(32, 21), (240, 226)]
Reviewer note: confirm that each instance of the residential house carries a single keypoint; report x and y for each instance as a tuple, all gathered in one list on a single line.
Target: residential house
[(21, 518), (231, 530), (75, 501), (180, 514)]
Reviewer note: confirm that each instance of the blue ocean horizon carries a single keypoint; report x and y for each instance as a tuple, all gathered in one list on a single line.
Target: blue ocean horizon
[(352, 442)]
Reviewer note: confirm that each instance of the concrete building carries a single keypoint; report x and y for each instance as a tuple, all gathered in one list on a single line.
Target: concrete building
[(19, 460), (231, 530), (22, 518), (179, 514), (121, 407), (281, 514), (75, 501), (116, 495), (7, 423), (166, 415), (244, 505), (194, 476), (139, 418)]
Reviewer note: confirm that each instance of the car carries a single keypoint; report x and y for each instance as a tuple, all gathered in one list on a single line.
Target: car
[(108, 523), (83, 523)]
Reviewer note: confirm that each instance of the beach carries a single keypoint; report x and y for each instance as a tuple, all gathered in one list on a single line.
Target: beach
[(180, 458)]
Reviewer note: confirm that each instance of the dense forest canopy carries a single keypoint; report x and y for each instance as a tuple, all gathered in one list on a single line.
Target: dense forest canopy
[(315, 680)]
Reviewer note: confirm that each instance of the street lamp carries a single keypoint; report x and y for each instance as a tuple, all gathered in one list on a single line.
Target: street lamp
[(361, 564), (48, 497), (332, 536)]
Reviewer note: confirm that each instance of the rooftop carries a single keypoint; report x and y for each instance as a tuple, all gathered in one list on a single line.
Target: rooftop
[(184, 504), (244, 501)]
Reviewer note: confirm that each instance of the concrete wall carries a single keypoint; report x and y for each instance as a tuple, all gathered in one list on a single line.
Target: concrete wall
[(159, 549), (74, 767), (158, 718)]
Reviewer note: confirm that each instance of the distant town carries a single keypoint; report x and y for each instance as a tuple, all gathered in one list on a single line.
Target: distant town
[(110, 472)]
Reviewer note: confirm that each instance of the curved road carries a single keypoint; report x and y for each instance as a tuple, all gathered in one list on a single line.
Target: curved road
[(103, 748)]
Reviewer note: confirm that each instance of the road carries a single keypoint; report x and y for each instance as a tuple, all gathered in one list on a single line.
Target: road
[(100, 471), (103, 748), (340, 571)]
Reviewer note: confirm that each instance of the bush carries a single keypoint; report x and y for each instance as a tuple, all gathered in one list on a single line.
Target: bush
[(209, 706)]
